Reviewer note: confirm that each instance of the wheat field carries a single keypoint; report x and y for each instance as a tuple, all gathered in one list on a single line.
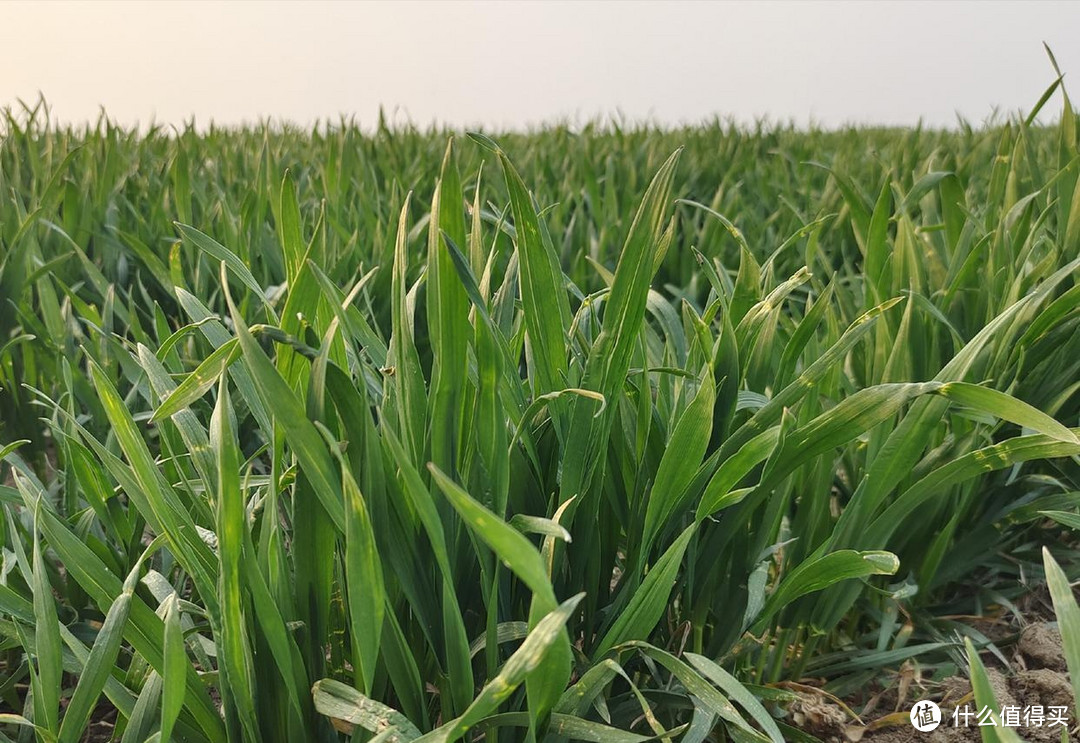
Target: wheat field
[(606, 434)]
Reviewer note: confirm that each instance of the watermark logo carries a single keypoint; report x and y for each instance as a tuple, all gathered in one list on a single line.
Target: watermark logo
[(925, 716)]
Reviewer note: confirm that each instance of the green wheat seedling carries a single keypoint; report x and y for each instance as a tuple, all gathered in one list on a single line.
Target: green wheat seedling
[(572, 435)]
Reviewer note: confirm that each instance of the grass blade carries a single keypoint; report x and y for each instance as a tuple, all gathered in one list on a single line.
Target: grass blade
[(1068, 617)]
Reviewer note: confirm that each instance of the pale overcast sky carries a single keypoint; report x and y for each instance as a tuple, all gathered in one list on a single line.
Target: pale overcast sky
[(512, 64)]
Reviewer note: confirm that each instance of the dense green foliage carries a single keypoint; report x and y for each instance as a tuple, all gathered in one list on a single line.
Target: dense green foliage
[(566, 436)]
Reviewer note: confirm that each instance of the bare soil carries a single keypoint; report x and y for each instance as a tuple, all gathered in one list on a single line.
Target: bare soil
[(1037, 677)]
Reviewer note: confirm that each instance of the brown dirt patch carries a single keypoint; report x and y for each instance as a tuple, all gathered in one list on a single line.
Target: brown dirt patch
[(1040, 647), (1038, 678)]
